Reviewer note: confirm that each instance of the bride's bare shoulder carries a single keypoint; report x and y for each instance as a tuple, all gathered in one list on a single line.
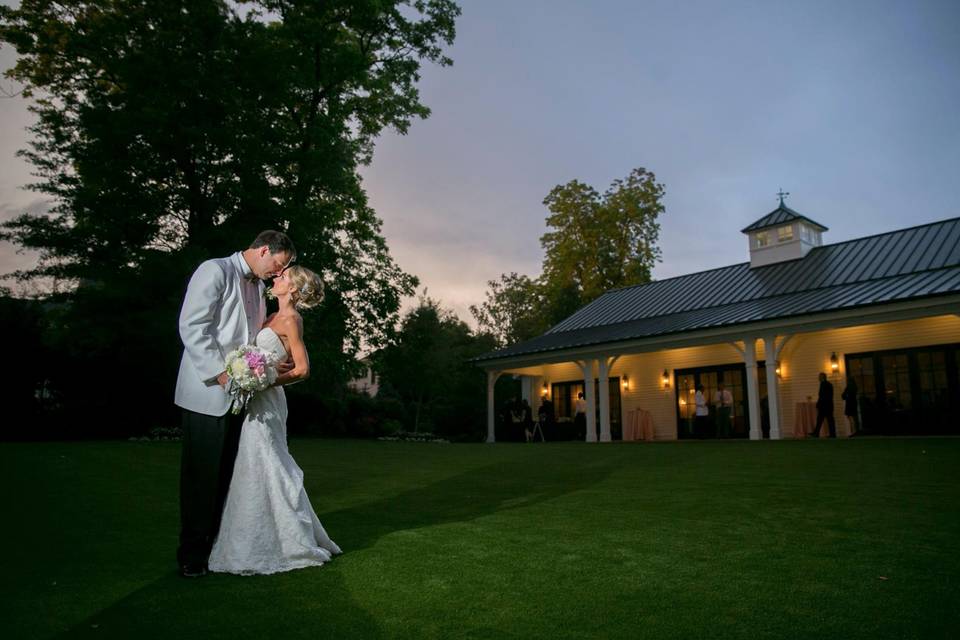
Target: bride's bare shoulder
[(289, 322)]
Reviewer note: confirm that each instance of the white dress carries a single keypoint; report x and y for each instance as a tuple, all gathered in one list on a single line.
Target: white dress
[(268, 524)]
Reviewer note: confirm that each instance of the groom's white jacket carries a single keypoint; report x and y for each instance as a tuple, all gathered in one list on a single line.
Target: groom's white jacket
[(222, 310)]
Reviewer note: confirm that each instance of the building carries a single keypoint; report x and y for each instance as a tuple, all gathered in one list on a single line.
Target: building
[(882, 309), (368, 383)]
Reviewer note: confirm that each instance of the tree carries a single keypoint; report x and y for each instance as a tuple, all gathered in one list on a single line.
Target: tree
[(595, 243), (513, 310), (428, 367), (171, 131)]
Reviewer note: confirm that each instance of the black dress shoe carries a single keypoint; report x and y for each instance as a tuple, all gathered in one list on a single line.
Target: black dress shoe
[(193, 570)]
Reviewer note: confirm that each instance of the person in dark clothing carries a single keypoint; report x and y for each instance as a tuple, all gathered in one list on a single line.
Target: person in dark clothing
[(527, 420), (825, 408), (545, 414), (849, 396)]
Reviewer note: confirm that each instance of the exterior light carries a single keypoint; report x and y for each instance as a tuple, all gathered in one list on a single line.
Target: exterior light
[(626, 382), (546, 390), (779, 370), (665, 379), (834, 362)]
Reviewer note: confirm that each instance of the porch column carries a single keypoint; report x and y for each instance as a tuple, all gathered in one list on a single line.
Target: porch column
[(604, 379), (753, 388), (773, 391), (586, 367), (491, 410)]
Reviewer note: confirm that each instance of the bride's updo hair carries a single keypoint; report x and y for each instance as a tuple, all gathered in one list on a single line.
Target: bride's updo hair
[(308, 287)]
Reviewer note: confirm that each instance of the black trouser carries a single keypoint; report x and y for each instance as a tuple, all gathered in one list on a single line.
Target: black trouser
[(206, 465), (830, 423)]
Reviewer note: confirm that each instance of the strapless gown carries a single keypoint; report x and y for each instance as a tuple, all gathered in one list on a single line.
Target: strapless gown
[(268, 524)]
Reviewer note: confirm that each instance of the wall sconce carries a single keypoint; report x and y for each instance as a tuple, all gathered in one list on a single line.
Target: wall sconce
[(665, 378), (626, 382), (834, 362), (546, 390), (778, 370)]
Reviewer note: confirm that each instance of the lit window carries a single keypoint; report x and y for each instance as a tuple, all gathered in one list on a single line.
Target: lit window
[(763, 238), (785, 233)]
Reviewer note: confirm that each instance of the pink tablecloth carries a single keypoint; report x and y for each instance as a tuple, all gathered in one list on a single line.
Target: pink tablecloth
[(639, 425), (805, 421)]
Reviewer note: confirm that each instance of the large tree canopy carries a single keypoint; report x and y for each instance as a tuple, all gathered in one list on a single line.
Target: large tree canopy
[(169, 131), (594, 243), (177, 124)]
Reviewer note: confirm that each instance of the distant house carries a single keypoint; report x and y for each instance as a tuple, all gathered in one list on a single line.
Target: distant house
[(368, 382), (883, 309)]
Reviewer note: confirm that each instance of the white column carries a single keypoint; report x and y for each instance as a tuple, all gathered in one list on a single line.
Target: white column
[(491, 410), (604, 399), (753, 388), (773, 392)]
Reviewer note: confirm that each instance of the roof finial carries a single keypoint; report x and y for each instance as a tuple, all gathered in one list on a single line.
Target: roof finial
[(782, 193)]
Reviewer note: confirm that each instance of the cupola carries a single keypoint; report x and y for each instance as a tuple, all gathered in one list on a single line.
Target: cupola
[(781, 235)]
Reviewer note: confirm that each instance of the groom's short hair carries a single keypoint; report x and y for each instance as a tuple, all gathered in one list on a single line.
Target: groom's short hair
[(276, 241)]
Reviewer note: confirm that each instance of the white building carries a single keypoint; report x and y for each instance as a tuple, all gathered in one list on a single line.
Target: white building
[(368, 383), (882, 309)]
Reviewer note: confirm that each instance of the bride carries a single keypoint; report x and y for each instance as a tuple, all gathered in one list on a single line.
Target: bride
[(268, 524)]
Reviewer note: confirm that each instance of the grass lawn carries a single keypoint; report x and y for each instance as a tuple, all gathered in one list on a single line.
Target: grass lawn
[(811, 539)]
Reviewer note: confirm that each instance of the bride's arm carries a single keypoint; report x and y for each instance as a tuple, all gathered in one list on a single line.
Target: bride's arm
[(293, 331)]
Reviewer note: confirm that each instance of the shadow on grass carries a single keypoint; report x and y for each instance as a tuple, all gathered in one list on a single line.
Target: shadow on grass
[(513, 484), (310, 603), (316, 602)]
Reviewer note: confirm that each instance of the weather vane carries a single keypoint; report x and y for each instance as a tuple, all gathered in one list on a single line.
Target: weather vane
[(782, 193)]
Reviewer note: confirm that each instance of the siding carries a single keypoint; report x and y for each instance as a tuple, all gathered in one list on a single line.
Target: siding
[(808, 354)]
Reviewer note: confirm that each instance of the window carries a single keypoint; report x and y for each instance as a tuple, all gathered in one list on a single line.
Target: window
[(805, 234), (785, 233), (763, 239)]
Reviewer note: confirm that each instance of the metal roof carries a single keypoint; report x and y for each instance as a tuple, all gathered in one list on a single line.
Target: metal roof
[(780, 215), (891, 267)]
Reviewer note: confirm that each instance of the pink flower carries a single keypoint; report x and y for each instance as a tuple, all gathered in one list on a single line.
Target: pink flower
[(255, 360)]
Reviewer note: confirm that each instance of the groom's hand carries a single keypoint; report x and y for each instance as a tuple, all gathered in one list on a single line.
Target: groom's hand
[(222, 379), (284, 367)]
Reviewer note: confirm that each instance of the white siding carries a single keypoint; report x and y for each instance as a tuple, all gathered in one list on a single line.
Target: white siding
[(806, 355)]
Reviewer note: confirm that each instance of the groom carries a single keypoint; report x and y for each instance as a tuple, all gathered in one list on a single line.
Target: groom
[(222, 310)]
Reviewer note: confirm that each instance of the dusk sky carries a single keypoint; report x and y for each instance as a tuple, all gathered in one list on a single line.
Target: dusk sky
[(852, 107)]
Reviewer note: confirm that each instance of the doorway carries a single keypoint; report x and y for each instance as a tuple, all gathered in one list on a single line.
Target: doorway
[(733, 377)]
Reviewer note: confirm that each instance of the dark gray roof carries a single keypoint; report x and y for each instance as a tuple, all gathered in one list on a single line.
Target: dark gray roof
[(901, 265), (780, 215)]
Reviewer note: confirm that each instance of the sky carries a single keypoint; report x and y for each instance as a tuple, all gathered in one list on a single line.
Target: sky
[(852, 107)]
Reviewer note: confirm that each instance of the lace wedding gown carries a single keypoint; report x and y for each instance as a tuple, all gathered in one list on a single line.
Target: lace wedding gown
[(268, 524)]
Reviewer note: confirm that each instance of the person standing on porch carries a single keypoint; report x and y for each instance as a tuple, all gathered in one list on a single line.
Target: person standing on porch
[(849, 396), (701, 415), (825, 408), (580, 418), (723, 400)]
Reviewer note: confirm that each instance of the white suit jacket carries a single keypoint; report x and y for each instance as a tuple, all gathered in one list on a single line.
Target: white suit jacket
[(221, 311)]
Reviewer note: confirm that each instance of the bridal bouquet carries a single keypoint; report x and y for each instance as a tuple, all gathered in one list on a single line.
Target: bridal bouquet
[(250, 369)]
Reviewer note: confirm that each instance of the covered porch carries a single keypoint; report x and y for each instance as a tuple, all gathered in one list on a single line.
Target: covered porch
[(772, 368)]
